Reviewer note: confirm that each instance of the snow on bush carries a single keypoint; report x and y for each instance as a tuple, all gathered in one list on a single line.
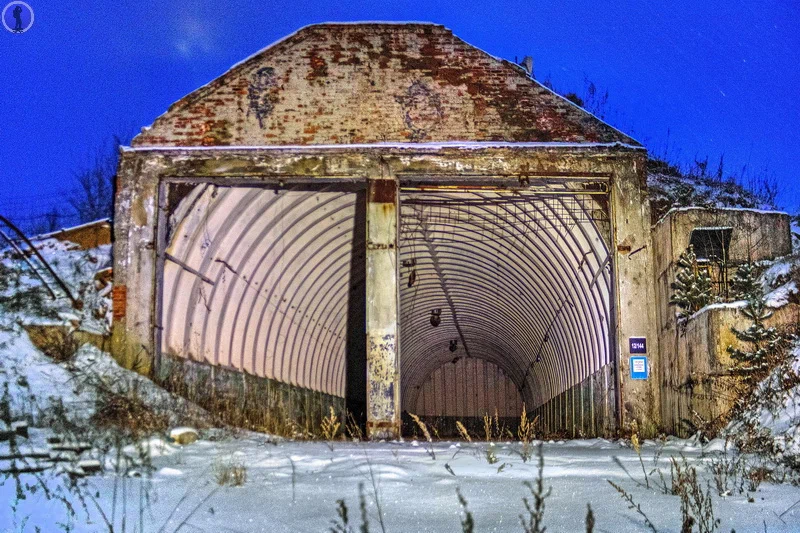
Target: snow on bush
[(780, 281), (36, 385), (770, 420)]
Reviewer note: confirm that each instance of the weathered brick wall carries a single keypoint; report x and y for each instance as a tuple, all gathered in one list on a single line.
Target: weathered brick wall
[(86, 236), (369, 83)]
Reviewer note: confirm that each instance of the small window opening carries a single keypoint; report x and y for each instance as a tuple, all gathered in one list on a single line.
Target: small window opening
[(711, 244)]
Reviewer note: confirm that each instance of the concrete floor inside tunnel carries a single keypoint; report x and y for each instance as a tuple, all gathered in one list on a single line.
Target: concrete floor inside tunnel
[(505, 297)]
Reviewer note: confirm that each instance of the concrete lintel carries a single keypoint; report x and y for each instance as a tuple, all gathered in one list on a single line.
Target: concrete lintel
[(493, 165)]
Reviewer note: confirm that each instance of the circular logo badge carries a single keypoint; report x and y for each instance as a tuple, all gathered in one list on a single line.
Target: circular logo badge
[(18, 17)]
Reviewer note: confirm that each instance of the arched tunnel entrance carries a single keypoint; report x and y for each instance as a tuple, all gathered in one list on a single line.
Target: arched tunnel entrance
[(506, 299), (505, 294)]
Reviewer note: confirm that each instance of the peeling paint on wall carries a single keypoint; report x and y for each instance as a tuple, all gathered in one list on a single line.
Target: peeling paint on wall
[(261, 94), (422, 110)]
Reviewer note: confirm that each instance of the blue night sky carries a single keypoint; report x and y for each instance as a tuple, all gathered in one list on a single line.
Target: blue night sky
[(691, 78)]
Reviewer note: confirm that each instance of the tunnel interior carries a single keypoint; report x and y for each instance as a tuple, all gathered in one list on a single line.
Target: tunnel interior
[(505, 295), (505, 298)]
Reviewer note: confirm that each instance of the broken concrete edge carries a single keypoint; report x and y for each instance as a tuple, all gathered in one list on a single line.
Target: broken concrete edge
[(86, 236)]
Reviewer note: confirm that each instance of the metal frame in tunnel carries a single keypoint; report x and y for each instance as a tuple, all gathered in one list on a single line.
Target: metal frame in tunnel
[(507, 198), (170, 197), (565, 194)]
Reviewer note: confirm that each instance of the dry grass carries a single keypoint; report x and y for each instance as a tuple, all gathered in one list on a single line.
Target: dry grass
[(128, 412), (525, 432), (330, 426), (422, 427), (353, 428), (425, 432), (493, 429), (463, 431), (230, 473)]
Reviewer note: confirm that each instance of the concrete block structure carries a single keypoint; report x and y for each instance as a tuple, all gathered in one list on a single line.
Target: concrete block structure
[(696, 383), (385, 217)]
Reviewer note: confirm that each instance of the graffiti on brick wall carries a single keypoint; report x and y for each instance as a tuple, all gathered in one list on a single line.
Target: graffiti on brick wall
[(261, 94), (422, 110)]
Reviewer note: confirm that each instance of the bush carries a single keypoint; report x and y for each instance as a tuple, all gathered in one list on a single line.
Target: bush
[(692, 285), (58, 343), (230, 473), (128, 412), (766, 344)]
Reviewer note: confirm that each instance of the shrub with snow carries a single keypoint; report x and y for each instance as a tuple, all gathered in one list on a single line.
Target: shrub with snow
[(692, 285)]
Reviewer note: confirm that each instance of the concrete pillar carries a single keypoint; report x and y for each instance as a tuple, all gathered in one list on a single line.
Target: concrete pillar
[(135, 224), (635, 294), (383, 310)]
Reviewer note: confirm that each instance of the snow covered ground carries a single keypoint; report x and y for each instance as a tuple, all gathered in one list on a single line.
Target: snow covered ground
[(294, 486)]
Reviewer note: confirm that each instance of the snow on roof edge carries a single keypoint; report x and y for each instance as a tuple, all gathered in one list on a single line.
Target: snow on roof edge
[(72, 228), (699, 207), (466, 145)]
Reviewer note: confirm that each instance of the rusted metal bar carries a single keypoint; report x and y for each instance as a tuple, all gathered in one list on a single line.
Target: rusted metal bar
[(76, 304), (187, 268), (31, 265)]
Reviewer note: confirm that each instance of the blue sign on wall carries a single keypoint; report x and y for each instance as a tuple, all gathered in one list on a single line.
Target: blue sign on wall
[(640, 368), (637, 345)]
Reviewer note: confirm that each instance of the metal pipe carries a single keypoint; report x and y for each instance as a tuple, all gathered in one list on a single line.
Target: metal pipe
[(28, 261), (76, 304)]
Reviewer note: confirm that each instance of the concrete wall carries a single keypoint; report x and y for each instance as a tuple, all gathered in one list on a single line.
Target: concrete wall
[(694, 358), (696, 381)]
